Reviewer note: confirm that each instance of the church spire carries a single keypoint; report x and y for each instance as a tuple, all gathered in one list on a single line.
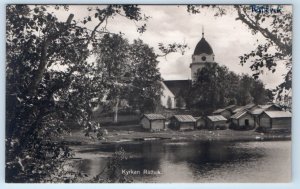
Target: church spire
[(202, 31)]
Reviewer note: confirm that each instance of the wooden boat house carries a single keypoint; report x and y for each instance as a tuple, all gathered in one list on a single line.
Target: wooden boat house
[(153, 122), (182, 122)]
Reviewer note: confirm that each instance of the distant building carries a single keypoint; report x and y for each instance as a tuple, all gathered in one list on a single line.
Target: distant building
[(271, 107), (243, 119), (276, 120), (230, 108), (200, 122), (257, 111), (176, 90), (216, 121), (153, 121), (182, 122), (224, 112), (249, 107), (167, 95)]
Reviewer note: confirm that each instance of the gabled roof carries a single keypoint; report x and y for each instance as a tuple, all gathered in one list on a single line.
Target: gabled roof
[(257, 111), (176, 86), (261, 108), (278, 114), (238, 109), (246, 107), (230, 107), (239, 114), (249, 106), (184, 118), (154, 116), (266, 106), (269, 105), (216, 118), (198, 118), (219, 111)]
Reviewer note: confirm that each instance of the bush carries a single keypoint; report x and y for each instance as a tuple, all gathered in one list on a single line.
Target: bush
[(112, 173)]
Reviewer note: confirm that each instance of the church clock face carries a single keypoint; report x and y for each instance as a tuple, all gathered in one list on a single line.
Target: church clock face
[(203, 58)]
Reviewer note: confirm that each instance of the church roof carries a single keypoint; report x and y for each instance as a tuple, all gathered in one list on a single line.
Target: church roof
[(178, 86), (203, 47)]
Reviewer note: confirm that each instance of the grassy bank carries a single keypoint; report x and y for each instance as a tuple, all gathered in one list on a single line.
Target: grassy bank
[(136, 134)]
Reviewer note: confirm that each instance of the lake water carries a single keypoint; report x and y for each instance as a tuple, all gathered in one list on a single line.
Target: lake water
[(214, 161)]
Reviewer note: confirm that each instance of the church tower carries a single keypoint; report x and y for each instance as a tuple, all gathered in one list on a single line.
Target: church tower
[(202, 56)]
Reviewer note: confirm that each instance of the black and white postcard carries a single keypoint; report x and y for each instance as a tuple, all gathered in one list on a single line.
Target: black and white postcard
[(148, 93)]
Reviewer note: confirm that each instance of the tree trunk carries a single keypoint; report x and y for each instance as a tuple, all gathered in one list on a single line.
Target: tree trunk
[(43, 60), (116, 111)]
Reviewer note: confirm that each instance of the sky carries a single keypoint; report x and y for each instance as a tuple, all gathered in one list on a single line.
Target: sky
[(228, 38)]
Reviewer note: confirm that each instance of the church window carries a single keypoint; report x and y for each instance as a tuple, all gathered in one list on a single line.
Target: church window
[(203, 58)]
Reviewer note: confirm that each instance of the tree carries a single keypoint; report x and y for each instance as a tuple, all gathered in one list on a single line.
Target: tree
[(208, 91), (277, 30), (113, 65), (145, 87), (128, 71), (41, 99), (217, 87), (244, 96), (50, 83), (260, 94), (275, 27), (35, 42)]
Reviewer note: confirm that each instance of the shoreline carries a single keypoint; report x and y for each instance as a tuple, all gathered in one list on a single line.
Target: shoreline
[(89, 150), (140, 136)]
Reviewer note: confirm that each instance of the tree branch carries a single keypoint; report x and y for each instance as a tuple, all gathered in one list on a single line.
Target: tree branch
[(43, 61), (245, 18)]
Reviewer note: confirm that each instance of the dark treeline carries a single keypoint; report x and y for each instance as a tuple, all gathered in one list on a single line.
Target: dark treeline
[(217, 87)]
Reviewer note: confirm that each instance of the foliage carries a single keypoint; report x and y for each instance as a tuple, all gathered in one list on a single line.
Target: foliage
[(128, 71), (145, 95), (170, 48), (50, 85), (209, 88), (275, 27), (113, 173), (217, 87), (34, 38)]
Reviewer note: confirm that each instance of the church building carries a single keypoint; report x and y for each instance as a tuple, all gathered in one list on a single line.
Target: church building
[(175, 90)]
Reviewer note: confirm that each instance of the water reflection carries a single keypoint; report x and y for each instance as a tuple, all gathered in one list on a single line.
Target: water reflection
[(197, 161)]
